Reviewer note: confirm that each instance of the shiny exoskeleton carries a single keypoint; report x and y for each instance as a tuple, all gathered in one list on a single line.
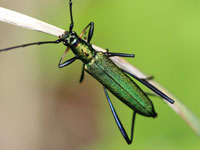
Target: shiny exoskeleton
[(113, 78)]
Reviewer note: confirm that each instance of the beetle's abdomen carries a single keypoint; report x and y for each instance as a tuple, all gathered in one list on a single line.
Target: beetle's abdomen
[(119, 84)]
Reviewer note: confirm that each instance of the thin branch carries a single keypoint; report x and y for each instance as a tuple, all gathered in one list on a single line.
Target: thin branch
[(24, 21), (27, 22)]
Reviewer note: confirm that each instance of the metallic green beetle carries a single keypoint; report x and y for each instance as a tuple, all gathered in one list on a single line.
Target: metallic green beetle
[(113, 78)]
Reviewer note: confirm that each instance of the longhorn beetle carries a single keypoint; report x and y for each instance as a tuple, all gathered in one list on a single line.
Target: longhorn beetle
[(113, 78)]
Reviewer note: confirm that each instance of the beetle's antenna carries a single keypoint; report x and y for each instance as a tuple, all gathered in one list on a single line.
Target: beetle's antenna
[(30, 44), (72, 22)]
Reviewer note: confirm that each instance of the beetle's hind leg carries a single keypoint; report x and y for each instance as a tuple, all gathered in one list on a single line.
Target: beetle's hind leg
[(148, 78), (150, 86), (117, 120)]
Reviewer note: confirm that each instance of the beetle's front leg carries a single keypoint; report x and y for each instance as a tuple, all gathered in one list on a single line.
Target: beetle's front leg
[(66, 63), (91, 30)]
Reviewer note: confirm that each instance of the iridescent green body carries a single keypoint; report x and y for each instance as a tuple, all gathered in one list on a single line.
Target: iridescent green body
[(119, 84), (99, 65), (111, 76)]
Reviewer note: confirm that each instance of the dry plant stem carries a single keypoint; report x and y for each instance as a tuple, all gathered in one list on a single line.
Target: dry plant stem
[(24, 21)]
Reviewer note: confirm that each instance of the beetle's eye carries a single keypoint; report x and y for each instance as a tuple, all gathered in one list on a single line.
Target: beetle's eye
[(73, 34)]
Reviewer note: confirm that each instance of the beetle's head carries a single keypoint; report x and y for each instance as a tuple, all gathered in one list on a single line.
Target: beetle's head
[(69, 38)]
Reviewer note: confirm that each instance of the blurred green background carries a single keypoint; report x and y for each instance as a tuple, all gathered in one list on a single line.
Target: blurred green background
[(43, 107)]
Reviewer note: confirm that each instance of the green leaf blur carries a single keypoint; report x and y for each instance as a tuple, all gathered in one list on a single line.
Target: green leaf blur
[(163, 34)]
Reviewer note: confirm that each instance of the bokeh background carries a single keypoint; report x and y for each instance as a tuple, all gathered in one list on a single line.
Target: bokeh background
[(43, 107)]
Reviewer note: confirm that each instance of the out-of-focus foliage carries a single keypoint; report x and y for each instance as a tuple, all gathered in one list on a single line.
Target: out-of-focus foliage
[(43, 107)]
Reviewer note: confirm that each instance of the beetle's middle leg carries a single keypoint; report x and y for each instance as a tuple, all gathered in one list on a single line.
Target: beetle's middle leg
[(82, 74), (111, 54)]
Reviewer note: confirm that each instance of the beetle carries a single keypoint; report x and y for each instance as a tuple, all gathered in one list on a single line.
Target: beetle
[(100, 66)]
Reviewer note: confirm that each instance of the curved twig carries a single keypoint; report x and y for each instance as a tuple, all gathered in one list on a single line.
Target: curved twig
[(24, 21)]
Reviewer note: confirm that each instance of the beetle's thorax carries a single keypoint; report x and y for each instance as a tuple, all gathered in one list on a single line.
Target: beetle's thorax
[(80, 48)]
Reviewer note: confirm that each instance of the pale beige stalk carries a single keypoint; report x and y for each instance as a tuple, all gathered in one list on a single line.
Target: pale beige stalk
[(24, 21)]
